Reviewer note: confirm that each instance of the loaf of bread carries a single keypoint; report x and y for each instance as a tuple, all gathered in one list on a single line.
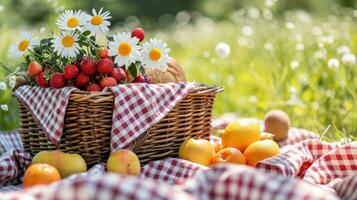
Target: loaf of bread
[(174, 73)]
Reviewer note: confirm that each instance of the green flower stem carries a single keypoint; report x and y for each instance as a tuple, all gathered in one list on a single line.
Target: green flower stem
[(2, 65), (37, 54), (12, 73)]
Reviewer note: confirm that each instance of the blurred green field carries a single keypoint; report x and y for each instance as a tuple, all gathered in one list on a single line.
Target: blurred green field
[(276, 62)]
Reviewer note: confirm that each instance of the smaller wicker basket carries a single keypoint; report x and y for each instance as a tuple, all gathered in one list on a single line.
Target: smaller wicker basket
[(88, 122)]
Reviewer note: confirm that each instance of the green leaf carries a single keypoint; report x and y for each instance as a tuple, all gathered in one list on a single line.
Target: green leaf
[(27, 58), (142, 70), (86, 33), (133, 70)]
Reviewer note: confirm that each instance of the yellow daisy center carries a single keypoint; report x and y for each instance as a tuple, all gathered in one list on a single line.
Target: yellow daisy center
[(96, 20), (72, 22), (68, 41), (155, 54), (124, 49), (23, 45)]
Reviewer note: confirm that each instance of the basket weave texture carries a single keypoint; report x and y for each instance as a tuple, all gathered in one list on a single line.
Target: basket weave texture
[(88, 121)]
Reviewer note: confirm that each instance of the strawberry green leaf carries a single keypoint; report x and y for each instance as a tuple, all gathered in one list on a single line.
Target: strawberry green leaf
[(133, 70)]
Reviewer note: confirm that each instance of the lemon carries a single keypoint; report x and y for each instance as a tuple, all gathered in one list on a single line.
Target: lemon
[(241, 133)]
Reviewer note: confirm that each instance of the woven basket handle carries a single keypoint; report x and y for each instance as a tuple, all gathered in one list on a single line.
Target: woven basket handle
[(206, 89)]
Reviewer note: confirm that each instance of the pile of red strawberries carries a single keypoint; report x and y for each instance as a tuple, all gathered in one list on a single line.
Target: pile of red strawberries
[(87, 74)]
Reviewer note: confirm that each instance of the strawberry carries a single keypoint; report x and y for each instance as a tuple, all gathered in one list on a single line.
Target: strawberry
[(58, 80), (34, 68), (108, 82), (119, 74), (70, 72), (103, 52), (105, 66), (138, 33), (82, 79), (141, 79), (88, 66), (41, 80), (94, 87)]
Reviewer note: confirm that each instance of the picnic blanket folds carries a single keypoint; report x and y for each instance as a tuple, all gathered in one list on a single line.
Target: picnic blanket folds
[(311, 169)]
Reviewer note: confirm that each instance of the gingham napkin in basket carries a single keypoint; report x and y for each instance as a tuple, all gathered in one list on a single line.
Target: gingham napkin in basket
[(47, 106), (138, 106)]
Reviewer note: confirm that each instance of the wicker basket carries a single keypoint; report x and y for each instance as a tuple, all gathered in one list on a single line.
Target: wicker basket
[(88, 123)]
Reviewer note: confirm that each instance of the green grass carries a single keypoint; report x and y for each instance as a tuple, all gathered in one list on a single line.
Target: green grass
[(256, 79)]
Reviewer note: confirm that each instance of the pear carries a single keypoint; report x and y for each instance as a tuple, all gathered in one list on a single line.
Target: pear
[(47, 157), (69, 164), (66, 163)]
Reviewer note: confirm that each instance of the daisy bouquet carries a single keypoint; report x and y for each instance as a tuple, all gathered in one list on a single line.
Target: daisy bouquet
[(74, 58)]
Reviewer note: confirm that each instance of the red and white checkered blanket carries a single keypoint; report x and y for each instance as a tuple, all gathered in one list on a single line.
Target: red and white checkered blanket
[(136, 108), (307, 169)]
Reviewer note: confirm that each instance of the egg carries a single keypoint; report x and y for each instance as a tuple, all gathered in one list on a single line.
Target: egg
[(277, 122)]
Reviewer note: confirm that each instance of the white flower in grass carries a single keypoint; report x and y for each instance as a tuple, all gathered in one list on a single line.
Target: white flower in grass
[(343, 50), (290, 25), (3, 86), (98, 22), (12, 81), (247, 30), (155, 54), (269, 3), (299, 47), (66, 44), (269, 46), (223, 50), (4, 107), (71, 20), (294, 64), (333, 63), (349, 59), (25, 43), (125, 49)]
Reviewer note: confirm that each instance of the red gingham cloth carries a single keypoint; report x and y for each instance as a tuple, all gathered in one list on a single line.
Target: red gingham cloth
[(47, 106), (10, 140), (12, 165), (311, 169), (138, 106)]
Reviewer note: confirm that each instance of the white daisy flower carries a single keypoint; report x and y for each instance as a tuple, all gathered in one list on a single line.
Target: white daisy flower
[(294, 64), (71, 20), (98, 22), (343, 49), (349, 59), (333, 63), (3, 86), (223, 50), (66, 44), (4, 107), (124, 48), (12, 81), (26, 42), (155, 54)]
